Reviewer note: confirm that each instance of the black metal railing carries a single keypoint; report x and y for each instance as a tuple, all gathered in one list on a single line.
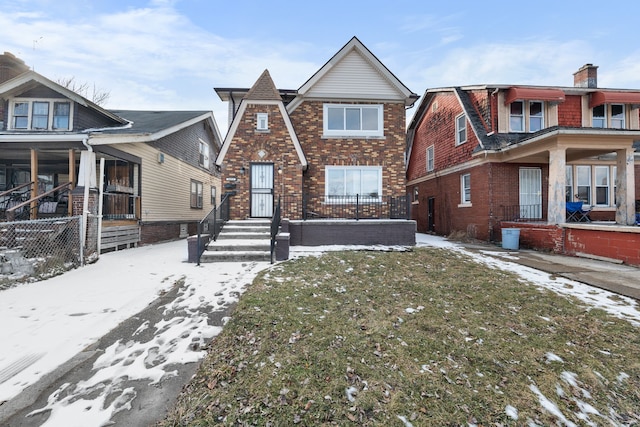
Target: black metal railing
[(210, 226), (52, 203), (309, 206), (522, 213), (275, 226)]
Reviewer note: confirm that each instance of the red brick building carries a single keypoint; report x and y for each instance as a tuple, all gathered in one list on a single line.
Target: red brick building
[(337, 140), (481, 156)]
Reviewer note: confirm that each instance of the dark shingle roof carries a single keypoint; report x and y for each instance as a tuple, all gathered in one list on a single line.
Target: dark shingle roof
[(149, 122)]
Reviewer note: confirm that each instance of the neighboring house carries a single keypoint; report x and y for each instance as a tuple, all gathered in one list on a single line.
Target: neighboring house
[(479, 156), (159, 179), (337, 140)]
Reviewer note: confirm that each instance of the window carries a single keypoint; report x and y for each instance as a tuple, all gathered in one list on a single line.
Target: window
[(583, 182), (352, 120), (40, 116), (61, 112), (536, 116), (415, 193), (203, 159), (196, 194), (21, 115), (602, 185), (262, 121), (611, 116), (213, 196), (465, 190), (344, 181), (461, 129), (36, 115), (526, 116), (430, 162), (516, 117), (568, 192)]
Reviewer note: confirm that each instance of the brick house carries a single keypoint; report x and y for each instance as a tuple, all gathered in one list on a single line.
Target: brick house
[(54, 142), (482, 156), (338, 140)]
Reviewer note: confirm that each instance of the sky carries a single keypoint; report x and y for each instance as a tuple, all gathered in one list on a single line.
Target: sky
[(47, 327), (171, 54)]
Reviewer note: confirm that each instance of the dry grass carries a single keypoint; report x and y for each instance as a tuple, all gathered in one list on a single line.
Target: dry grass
[(422, 338)]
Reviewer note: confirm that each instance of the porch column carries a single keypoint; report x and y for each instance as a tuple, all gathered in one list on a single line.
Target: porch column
[(556, 207), (625, 187), (34, 188)]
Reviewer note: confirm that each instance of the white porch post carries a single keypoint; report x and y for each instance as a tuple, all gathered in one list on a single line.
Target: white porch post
[(625, 187), (556, 207)]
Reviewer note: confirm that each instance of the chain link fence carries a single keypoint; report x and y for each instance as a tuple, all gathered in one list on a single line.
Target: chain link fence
[(38, 249)]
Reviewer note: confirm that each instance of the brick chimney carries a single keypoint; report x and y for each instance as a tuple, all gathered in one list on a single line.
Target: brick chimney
[(10, 67), (586, 76)]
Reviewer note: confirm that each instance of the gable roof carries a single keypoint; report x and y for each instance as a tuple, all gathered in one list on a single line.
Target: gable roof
[(262, 92), (337, 79), (31, 79), (149, 126)]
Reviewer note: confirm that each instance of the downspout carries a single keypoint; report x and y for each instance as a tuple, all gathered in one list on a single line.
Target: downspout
[(100, 204), (85, 202)]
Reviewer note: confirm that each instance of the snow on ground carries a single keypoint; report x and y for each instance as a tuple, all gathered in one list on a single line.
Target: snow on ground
[(46, 323)]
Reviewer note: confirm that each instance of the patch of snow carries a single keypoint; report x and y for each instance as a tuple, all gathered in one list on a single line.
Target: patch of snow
[(351, 392), (511, 412), (405, 421), (553, 358), (551, 407)]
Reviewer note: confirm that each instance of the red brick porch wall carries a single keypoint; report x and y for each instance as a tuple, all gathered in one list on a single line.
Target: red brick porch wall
[(608, 241)]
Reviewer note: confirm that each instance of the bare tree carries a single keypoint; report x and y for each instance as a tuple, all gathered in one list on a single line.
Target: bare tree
[(96, 95)]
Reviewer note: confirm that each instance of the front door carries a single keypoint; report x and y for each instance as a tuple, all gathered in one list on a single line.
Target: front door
[(431, 225), (531, 193), (261, 190)]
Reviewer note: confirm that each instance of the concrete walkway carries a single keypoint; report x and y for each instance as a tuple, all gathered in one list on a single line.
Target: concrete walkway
[(618, 278)]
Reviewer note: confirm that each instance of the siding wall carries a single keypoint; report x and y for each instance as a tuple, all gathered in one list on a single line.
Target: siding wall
[(166, 187)]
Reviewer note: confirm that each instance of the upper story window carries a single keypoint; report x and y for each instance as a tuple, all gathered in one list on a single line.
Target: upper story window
[(40, 115), (262, 121), (203, 159), (608, 116), (526, 116), (353, 120), (430, 158), (461, 129)]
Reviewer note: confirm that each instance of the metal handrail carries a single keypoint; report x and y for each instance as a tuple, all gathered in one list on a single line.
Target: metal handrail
[(275, 226), (11, 212), (214, 220)]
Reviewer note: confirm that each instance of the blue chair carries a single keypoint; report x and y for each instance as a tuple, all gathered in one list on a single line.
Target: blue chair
[(575, 213)]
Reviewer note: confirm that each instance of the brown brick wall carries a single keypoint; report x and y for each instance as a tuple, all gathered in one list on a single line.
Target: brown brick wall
[(387, 151), (278, 149)]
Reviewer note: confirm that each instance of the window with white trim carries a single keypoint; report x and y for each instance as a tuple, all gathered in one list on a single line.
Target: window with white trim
[(262, 121), (461, 129), (196, 194), (353, 120), (583, 184), (526, 116), (40, 115), (430, 159), (587, 183), (203, 151), (602, 185), (349, 181), (608, 116), (465, 188)]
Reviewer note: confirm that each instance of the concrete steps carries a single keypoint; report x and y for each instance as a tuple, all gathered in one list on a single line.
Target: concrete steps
[(248, 240)]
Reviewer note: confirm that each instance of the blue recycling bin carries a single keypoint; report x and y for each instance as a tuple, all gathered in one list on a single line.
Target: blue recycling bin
[(510, 238)]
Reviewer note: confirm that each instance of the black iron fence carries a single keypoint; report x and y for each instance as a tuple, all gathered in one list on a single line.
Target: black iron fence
[(210, 226), (275, 226), (309, 206), (522, 213)]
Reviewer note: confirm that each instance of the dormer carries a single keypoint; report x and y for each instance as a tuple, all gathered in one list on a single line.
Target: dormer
[(528, 109)]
